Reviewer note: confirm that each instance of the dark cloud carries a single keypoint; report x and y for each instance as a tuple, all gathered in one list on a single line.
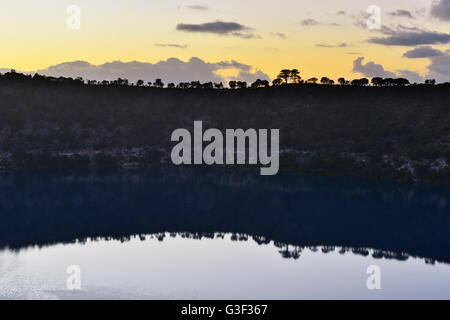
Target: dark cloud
[(172, 45), (220, 28), (412, 76), (441, 10), (280, 35), (170, 70), (309, 22), (401, 13), (422, 52), (339, 45), (371, 69), (410, 36), (440, 67), (199, 7)]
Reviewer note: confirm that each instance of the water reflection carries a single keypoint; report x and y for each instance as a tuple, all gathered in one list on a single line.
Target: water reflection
[(383, 220)]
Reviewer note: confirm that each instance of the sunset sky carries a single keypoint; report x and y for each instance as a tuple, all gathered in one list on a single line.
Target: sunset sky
[(320, 38)]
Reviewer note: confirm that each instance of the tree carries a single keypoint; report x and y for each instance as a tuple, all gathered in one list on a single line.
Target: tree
[(218, 85), (377, 81), (232, 84), (171, 85), (207, 85), (312, 80), (241, 84), (140, 83), (364, 81), (430, 82), (260, 84), (285, 74), (401, 82), (159, 83), (295, 76), (341, 81), (325, 80), (277, 82)]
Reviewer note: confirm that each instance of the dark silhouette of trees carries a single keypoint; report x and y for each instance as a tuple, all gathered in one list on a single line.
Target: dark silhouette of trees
[(158, 83), (324, 80), (377, 81), (277, 82), (285, 74), (260, 84), (207, 85), (241, 84), (295, 76), (360, 82)]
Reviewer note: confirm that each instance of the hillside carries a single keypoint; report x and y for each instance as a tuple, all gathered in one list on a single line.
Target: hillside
[(400, 133)]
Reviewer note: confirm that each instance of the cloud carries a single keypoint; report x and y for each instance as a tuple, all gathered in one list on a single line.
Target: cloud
[(341, 13), (371, 69), (422, 52), (198, 7), (339, 45), (401, 13), (172, 45), (279, 35), (439, 67), (441, 10), (412, 76), (309, 22), (170, 70), (407, 36), (219, 28)]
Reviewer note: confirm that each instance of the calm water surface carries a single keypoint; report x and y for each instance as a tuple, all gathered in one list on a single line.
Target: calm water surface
[(192, 234)]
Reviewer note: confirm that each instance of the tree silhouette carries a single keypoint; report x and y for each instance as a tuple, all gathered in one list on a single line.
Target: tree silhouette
[(325, 80), (140, 83), (312, 80), (295, 75), (342, 81), (377, 81), (232, 84), (159, 83), (277, 82), (241, 84), (260, 84), (285, 74)]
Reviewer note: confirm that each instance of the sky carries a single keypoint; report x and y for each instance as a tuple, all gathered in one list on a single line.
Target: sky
[(215, 40)]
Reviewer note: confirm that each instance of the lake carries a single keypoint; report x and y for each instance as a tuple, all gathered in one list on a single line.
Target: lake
[(183, 233)]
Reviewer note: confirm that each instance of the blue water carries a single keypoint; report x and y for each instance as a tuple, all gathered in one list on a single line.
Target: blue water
[(219, 234)]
